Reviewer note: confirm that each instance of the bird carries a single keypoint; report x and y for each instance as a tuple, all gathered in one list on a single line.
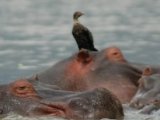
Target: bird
[(81, 34)]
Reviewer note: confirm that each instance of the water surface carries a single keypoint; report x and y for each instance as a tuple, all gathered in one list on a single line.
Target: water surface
[(35, 34)]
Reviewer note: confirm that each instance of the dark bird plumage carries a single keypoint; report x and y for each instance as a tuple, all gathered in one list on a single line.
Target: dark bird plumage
[(81, 34)]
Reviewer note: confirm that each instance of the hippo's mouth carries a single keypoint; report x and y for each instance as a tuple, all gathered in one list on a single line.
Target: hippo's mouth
[(56, 109)]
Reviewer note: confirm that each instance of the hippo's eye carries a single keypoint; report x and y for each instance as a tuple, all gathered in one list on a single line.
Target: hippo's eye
[(22, 88), (115, 53)]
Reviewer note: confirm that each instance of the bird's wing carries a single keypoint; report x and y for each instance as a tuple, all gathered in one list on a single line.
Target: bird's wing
[(88, 34)]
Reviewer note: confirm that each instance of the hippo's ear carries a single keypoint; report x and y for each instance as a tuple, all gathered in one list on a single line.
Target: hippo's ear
[(147, 71), (84, 56), (35, 77)]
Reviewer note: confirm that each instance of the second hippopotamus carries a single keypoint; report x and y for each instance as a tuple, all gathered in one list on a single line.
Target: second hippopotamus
[(22, 98)]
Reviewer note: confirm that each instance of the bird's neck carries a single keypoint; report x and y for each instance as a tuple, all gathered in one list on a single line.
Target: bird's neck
[(75, 21)]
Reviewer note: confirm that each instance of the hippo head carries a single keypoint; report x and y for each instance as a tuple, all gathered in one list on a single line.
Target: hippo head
[(20, 97), (148, 91), (92, 105)]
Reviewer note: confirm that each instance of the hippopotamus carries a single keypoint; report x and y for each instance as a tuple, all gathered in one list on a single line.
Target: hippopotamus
[(22, 98), (147, 97), (84, 71)]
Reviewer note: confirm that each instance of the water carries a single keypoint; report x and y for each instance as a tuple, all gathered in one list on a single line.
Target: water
[(34, 34)]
